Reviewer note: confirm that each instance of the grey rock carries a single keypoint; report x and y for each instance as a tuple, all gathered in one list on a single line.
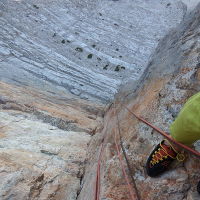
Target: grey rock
[(172, 76), (51, 42), (90, 48)]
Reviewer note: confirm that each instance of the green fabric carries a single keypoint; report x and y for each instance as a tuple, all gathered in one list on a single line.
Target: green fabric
[(186, 128)]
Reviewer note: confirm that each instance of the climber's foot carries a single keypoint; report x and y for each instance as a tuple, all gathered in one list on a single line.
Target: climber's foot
[(161, 158), (198, 187)]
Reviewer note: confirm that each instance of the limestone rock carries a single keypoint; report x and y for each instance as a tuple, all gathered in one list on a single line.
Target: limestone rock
[(43, 143), (170, 79), (61, 62), (85, 47)]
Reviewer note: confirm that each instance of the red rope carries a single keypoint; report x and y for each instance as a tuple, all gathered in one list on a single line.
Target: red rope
[(98, 171), (132, 195), (190, 150), (97, 188)]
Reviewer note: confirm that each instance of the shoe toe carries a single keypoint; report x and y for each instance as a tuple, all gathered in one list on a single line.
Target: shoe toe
[(198, 187), (151, 171)]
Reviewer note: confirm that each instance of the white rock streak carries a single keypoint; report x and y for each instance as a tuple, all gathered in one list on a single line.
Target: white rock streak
[(86, 47)]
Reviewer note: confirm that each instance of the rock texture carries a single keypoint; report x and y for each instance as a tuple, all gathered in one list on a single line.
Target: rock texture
[(171, 78), (61, 62), (43, 143), (191, 4), (85, 47)]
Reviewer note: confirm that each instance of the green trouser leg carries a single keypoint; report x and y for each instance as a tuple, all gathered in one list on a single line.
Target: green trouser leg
[(186, 127)]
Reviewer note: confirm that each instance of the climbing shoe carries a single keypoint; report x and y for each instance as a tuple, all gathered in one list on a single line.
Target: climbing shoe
[(198, 187), (161, 158)]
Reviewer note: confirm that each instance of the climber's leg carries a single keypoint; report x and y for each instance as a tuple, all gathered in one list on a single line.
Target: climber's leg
[(185, 129)]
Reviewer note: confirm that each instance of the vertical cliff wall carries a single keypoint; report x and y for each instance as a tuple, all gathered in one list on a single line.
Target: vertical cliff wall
[(54, 54), (61, 62), (43, 142), (83, 47), (172, 76)]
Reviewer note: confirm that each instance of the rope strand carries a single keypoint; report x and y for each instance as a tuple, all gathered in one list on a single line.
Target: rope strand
[(133, 195), (188, 149)]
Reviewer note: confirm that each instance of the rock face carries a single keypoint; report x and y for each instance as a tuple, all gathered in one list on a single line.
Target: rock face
[(43, 143), (85, 47), (61, 62), (171, 78)]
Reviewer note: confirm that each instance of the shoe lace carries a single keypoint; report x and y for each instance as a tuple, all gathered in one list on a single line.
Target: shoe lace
[(158, 156), (162, 153)]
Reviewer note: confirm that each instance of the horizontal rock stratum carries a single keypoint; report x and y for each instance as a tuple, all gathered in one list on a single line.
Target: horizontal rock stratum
[(61, 64), (86, 47), (172, 76)]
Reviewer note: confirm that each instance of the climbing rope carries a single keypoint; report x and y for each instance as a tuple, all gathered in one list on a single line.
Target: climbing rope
[(133, 192), (134, 195), (97, 189), (98, 171), (188, 149)]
